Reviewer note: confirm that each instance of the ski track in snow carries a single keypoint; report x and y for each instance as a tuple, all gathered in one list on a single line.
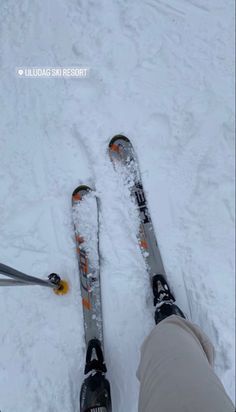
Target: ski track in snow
[(161, 73)]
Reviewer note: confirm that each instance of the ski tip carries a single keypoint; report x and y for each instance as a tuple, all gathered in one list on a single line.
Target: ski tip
[(79, 192), (112, 144), (62, 289)]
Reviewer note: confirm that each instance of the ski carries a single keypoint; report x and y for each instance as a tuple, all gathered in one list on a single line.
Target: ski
[(95, 391), (125, 161)]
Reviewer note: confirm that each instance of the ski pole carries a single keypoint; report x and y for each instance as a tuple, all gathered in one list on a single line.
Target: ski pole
[(20, 279)]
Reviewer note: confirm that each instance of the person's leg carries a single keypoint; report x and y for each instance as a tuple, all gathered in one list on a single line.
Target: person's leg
[(176, 373)]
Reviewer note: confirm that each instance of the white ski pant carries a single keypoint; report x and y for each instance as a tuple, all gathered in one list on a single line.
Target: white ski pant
[(176, 371)]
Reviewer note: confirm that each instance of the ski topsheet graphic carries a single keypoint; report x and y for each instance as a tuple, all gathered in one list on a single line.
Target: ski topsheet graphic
[(95, 390), (85, 218), (124, 159)]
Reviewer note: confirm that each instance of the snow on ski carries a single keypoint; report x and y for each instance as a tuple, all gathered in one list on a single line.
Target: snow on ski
[(124, 160), (85, 218), (95, 390)]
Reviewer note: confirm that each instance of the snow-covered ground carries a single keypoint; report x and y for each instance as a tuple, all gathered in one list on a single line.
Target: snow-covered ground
[(161, 72)]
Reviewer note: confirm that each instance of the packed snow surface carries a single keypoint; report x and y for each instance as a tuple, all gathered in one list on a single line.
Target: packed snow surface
[(161, 72)]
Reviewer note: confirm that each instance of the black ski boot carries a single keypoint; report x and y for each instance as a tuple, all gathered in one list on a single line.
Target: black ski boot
[(95, 394), (164, 300)]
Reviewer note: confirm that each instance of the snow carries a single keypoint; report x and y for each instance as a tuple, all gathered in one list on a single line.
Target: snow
[(162, 74), (85, 218)]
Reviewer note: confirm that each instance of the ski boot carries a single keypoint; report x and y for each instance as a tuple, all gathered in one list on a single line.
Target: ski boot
[(95, 393), (164, 300)]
